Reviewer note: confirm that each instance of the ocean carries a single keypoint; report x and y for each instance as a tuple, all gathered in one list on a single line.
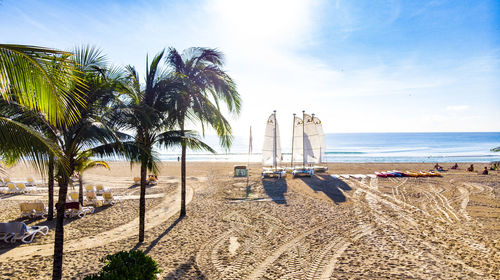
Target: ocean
[(371, 147)]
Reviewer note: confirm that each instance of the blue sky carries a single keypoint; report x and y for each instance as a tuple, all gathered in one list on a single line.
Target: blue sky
[(361, 66)]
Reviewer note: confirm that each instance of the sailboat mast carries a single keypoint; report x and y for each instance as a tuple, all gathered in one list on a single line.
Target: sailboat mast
[(274, 143), (293, 136), (303, 139)]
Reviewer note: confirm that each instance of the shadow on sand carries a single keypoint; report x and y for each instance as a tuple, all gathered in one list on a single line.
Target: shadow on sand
[(275, 188), (154, 242), (328, 185), (187, 270)]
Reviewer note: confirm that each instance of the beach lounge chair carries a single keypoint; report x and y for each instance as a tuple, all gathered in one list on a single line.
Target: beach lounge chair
[(30, 182), (137, 180), (73, 209), (152, 180), (33, 209), (91, 199), (7, 180), (73, 196), (12, 188), (99, 189), (15, 231), (107, 198), (24, 189), (89, 188)]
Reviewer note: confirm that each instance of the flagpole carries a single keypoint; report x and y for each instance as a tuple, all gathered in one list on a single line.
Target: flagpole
[(275, 162), (303, 139), (293, 139), (248, 159)]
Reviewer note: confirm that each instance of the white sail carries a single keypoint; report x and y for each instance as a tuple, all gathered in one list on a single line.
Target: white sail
[(271, 149), (311, 141), (321, 135), (298, 155)]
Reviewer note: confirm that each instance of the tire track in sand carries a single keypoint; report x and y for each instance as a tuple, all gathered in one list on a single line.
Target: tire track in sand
[(262, 267), (324, 264)]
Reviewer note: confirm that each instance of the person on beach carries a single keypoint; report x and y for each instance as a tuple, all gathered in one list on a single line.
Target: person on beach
[(485, 171), (470, 168), (438, 167), (454, 166)]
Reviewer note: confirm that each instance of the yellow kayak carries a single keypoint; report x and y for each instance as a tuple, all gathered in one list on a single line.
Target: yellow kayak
[(412, 174)]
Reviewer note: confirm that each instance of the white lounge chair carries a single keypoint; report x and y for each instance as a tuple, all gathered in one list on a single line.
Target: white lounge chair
[(137, 180), (74, 209), (73, 196), (107, 198), (99, 189), (33, 209), (12, 188), (15, 231), (30, 182), (89, 188), (24, 189), (91, 199)]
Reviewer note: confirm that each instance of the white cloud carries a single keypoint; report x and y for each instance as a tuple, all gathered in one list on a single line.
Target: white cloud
[(457, 108)]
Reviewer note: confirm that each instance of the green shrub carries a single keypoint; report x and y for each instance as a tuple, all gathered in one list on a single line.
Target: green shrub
[(127, 265)]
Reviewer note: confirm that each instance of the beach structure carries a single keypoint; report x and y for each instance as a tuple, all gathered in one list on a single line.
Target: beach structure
[(240, 171), (271, 149)]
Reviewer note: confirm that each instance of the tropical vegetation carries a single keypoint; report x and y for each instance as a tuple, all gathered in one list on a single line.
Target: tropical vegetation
[(62, 110), (133, 265)]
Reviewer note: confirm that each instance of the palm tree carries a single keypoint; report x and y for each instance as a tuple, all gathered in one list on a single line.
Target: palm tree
[(84, 162), (144, 111), (91, 131), (203, 85)]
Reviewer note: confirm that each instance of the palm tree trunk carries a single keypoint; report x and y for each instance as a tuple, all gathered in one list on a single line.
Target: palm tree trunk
[(142, 202), (59, 235), (80, 188), (183, 171), (50, 215)]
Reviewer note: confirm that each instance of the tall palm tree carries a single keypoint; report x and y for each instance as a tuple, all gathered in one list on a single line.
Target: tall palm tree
[(83, 162), (144, 111), (91, 131), (203, 86)]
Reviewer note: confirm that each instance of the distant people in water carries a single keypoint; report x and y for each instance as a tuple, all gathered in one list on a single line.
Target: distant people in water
[(485, 171), (454, 166), (470, 168)]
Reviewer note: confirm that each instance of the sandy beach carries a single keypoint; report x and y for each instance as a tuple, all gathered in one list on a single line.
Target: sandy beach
[(304, 228)]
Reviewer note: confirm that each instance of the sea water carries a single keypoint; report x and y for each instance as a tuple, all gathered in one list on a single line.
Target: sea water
[(371, 147)]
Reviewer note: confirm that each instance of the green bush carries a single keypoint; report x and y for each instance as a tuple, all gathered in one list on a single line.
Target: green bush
[(127, 265)]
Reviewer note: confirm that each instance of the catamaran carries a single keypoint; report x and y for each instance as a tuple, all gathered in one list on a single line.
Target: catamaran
[(308, 145), (271, 150)]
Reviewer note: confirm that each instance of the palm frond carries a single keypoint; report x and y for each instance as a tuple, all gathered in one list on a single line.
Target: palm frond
[(42, 79)]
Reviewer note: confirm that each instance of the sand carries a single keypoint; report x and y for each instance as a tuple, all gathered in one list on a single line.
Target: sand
[(303, 228)]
